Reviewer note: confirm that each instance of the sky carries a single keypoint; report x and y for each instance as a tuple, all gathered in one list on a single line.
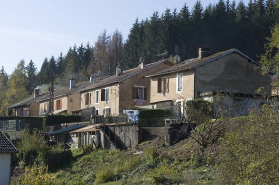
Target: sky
[(35, 29)]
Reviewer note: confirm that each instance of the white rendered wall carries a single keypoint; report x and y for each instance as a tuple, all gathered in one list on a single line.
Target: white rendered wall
[(5, 162)]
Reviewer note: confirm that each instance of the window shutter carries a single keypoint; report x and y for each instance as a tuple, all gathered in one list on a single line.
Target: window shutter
[(61, 104), (159, 89), (167, 85), (103, 94), (89, 98), (107, 94), (145, 93), (134, 95), (85, 99)]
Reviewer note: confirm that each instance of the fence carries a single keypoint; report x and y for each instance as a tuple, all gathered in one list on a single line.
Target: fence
[(20, 123)]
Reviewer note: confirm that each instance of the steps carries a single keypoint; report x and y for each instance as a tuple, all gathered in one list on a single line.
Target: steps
[(113, 138)]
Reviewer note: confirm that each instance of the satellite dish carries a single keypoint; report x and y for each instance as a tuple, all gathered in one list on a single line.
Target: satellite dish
[(177, 58), (141, 59)]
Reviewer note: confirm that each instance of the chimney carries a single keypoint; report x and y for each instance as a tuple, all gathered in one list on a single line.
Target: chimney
[(204, 51), (118, 70), (142, 65), (36, 93), (91, 78), (72, 83)]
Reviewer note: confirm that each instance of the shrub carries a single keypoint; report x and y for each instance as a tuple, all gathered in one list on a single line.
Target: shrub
[(32, 148), (104, 175), (198, 111), (36, 175), (249, 153)]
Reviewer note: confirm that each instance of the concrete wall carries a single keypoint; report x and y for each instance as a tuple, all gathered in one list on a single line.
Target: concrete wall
[(130, 135), (187, 88), (113, 102), (234, 106), (105, 142), (231, 73), (5, 162)]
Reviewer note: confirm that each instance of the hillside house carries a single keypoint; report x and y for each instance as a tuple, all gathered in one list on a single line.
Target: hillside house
[(6, 149), (121, 91), (28, 106), (231, 72), (65, 99)]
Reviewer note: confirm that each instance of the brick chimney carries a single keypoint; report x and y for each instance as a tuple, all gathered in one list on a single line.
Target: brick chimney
[(204, 51), (72, 83)]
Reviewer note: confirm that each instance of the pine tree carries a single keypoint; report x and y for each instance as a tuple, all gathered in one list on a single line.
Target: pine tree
[(31, 72), (3, 89)]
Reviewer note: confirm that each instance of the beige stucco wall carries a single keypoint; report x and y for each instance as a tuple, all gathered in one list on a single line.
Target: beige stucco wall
[(187, 88), (5, 162), (231, 73), (64, 102), (34, 109), (73, 102), (113, 102)]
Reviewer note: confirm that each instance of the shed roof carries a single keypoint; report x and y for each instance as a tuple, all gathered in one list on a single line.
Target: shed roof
[(67, 129), (6, 146)]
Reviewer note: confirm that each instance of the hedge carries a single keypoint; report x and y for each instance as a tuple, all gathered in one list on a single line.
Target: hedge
[(198, 111), (50, 119), (153, 113)]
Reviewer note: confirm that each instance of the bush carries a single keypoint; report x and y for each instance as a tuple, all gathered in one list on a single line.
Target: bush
[(37, 174), (249, 153), (198, 111), (104, 175), (32, 148)]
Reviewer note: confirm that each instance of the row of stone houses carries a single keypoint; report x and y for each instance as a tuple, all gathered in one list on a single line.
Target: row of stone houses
[(161, 84)]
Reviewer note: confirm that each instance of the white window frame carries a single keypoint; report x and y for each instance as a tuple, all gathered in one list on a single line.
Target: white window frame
[(97, 98), (106, 109), (106, 95), (182, 106), (177, 76), (97, 109), (140, 87)]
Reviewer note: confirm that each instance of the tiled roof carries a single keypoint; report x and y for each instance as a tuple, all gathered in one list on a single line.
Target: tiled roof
[(29, 100), (196, 62), (122, 77), (6, 146), (66, 90)]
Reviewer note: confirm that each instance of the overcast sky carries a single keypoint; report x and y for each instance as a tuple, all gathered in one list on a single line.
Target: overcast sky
[(35, 29)]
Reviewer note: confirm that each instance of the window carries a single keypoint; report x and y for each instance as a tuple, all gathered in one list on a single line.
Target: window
[(163, 85), (179, 82), (105, 94), (139, 92), (87, 98), (96, 112), (58, 104), (106, 111), (97, 96)]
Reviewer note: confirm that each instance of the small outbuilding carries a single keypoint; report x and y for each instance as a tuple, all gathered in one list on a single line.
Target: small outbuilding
[(6, 149)]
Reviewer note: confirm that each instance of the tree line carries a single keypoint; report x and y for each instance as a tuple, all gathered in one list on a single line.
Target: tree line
[(222, 26)]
